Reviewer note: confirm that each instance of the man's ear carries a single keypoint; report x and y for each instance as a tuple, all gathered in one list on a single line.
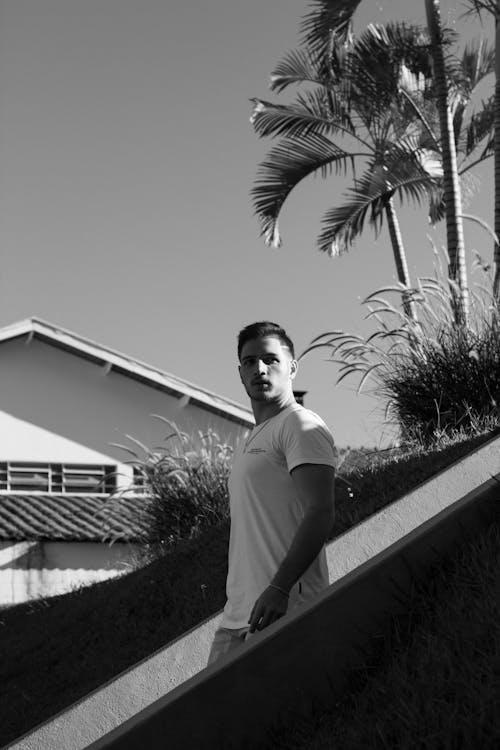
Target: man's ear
[(239, 373), (294, 366)]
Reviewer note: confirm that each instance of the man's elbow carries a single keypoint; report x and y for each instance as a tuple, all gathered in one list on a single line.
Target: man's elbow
[(330, 517), (325, 518), (331, 523)]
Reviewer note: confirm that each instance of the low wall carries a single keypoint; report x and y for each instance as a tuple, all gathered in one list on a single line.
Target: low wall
[(154, 699), (32, 570), (291, 667)]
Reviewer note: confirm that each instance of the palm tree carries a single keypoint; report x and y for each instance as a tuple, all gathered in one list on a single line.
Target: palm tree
[(473, 129), (492, 7), (371, 103), (452, 193), (334, 17), (355, 113)]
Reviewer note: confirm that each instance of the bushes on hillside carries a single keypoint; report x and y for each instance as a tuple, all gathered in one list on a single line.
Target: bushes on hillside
[(435, 377), (184, 483), (451, 382)]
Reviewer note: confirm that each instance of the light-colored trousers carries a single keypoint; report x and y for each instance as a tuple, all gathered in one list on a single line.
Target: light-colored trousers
[(225, 640)]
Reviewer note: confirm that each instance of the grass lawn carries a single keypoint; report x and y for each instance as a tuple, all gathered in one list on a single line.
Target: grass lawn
[(435, 681), (56, 650)]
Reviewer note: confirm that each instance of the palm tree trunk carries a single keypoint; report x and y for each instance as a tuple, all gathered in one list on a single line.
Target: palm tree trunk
[(452, 198), (496, 256), (399, 257)]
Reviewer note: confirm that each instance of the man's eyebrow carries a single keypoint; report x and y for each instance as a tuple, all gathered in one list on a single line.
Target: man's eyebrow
[(264, 356)]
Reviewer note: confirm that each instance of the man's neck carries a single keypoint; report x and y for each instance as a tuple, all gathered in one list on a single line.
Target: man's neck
[(265, 410)]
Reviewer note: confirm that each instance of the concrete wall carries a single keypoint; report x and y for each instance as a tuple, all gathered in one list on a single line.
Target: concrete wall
[(291, 667), (73, 398), (32, 570), (23, 441), (370, 566)]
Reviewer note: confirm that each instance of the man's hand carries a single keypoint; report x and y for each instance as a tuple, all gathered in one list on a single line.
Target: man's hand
[(270, 606), (315, 490)]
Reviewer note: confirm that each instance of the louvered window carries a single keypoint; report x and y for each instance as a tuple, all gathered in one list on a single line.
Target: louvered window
[(28, 477), (140, 484), (66, 478)]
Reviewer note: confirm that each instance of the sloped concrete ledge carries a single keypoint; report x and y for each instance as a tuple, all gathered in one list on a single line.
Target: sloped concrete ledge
[(281, 670), (367, 565)]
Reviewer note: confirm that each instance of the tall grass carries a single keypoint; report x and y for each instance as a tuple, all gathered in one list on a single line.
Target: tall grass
[(183, 481), (435, 377)]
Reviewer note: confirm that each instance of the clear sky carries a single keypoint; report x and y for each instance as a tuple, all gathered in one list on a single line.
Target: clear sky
[(126, 161)]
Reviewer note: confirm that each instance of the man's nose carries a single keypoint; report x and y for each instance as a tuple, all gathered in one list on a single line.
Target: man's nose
[(261, 367)]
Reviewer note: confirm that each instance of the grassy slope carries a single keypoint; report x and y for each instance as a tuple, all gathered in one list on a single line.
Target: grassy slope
[(435, 683), (59, 649)]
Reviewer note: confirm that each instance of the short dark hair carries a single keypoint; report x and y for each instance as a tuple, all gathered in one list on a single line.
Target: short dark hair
[(261, 329)]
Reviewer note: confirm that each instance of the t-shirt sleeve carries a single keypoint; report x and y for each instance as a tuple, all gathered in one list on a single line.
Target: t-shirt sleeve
[(306, 440)]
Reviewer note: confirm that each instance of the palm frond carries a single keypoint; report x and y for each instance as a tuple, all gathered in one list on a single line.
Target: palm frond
[(416, 188), (376, 61), (437, 208), (478, 133), (418, 117), (483, 224), (343, 224), (286, 165), (469, 186), (478, 61), (412, 83), (480, 6), (334, 106), (298, 66), (326, 19), (290, 120), (401, 174), (410, 150), (381, 50)]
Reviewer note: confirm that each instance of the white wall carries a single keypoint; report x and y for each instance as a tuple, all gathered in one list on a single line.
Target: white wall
[(22, 441), (32, 570), (72, 398), (19, 439)]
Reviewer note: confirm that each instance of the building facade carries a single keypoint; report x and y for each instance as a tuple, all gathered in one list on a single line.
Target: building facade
[(65, 402), (68, 409)]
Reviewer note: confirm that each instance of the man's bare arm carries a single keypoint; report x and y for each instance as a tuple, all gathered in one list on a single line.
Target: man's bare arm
[(315, 487)]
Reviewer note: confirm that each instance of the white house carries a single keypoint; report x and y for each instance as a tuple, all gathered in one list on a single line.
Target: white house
[(64, 401)]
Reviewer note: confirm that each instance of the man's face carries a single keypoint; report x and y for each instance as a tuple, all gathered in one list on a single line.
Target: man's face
[(266, 369)]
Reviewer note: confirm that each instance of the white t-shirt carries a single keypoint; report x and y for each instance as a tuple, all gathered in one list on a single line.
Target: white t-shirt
[(266, 511)]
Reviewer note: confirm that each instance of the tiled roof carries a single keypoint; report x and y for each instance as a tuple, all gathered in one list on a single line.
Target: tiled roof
[(69, 518)]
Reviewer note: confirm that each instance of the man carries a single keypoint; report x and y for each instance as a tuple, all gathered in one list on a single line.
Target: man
[(281, 491)]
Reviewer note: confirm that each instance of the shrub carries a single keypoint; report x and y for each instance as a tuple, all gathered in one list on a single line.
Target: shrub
[(452, 382), (184, 482), (435, 377)]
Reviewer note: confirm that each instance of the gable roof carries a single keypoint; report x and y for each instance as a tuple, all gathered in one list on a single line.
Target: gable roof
[(113, 361), (74, 518)]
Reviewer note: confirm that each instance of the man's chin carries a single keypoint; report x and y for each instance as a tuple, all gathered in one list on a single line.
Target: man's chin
[(261, 396)]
